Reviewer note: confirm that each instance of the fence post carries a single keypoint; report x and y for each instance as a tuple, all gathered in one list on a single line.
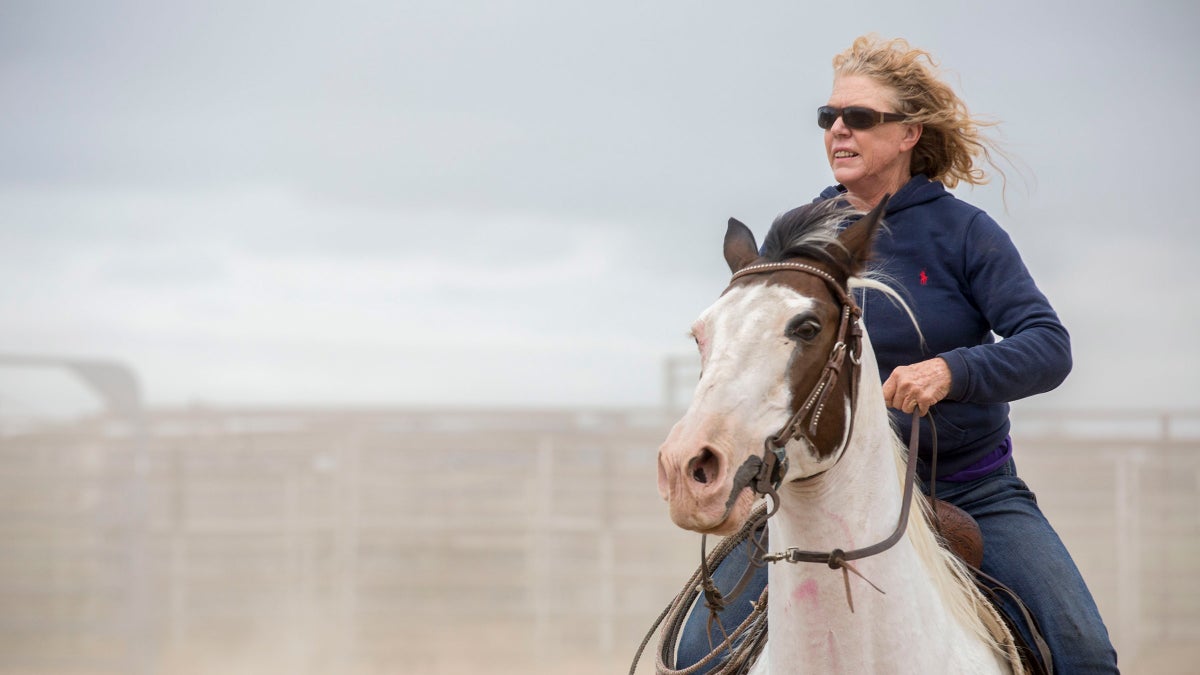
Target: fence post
[(540, 563), (1128, 545)]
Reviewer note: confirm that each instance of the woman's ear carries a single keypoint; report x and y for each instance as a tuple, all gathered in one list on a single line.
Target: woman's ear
[(912, 134)]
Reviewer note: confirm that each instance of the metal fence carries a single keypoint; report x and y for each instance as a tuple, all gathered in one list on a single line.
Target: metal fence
[(446, 541)]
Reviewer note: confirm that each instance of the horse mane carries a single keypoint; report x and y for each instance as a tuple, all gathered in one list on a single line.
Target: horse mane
[(810, 231), (953, 580)]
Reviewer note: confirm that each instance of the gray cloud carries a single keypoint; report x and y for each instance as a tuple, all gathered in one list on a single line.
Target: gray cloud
[(522, 202)]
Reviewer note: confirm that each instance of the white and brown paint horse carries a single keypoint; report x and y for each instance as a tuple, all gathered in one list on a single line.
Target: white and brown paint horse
[(764, 346)]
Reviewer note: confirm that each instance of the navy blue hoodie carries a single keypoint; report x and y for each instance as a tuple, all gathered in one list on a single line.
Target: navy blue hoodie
[(964, 280)]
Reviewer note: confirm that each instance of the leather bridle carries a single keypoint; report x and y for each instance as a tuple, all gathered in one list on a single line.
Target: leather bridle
[(765, 474)]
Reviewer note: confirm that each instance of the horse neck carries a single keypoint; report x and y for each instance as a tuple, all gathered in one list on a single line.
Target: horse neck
[(854, 504)]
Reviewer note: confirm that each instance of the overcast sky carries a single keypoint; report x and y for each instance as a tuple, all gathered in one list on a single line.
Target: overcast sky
[(522, 203)]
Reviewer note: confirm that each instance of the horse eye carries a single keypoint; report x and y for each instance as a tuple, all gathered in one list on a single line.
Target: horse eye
[(803, 327)]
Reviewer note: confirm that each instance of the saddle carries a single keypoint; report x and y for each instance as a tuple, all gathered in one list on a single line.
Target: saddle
[(958, 530), (962, 536)]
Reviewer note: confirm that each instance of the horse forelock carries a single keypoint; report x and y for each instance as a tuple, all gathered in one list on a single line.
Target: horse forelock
[(811, 232)]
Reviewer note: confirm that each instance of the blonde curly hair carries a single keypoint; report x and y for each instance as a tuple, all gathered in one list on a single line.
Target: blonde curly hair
[(951, 140)]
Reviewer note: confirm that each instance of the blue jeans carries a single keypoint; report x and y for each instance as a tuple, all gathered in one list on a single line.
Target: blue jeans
[(1021, 550), (694, 640)]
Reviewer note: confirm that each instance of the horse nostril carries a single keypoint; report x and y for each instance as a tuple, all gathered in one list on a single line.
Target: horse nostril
[(703, 466)]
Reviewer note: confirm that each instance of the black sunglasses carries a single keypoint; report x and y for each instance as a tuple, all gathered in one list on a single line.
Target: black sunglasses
[(855, 117)]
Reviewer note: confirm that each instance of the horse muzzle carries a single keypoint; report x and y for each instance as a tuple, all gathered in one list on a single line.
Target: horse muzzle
[(696, 482)]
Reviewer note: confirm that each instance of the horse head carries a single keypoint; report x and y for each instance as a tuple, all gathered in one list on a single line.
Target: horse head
[(766, 347)]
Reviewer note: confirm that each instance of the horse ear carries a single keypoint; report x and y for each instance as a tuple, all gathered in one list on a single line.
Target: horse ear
[(858, 237), (740, 247)]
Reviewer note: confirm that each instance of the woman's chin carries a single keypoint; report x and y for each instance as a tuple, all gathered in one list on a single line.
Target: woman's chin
[(846, 175)]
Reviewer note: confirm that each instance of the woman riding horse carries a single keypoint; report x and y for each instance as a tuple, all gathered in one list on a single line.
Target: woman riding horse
[(893, 128)]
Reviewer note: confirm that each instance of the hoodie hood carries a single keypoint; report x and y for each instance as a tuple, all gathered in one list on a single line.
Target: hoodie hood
[(918, 190)]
